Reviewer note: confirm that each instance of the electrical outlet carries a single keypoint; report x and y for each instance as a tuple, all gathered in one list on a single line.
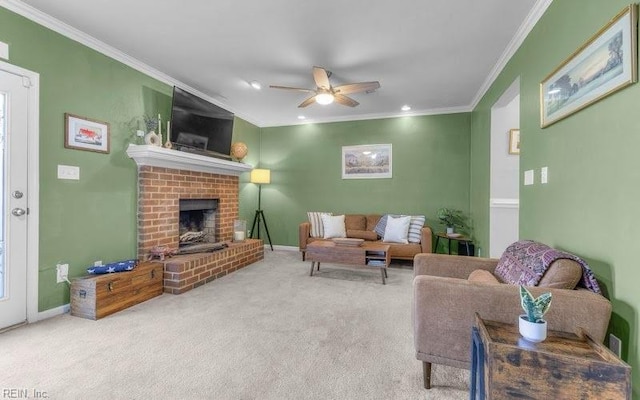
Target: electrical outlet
[(140, 133), (615, 345), (97, 263), (62, 273)]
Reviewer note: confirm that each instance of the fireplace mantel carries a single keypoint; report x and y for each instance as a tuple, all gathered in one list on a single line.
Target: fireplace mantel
[(156, 156)]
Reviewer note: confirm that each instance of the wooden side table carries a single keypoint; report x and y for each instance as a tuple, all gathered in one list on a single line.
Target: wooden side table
[(564, 366), (462, 239)]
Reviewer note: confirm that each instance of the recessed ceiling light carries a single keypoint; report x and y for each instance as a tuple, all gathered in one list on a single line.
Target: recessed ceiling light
[(405, 108), (301, 117), (256, 85)]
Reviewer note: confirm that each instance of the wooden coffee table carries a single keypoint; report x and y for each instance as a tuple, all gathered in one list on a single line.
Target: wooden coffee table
[(371, 255)]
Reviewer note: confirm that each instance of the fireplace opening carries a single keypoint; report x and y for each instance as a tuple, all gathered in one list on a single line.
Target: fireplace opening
[(197, 222)]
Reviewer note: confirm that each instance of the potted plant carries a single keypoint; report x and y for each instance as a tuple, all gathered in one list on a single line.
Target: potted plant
[(531, 325), (451, 219)]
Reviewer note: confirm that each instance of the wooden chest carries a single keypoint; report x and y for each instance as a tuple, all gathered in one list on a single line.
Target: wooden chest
[(96, 296)]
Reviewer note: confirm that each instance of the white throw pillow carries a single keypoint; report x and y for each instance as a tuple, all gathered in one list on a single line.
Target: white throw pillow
[(397, 230), (333, 226), (315, 218)]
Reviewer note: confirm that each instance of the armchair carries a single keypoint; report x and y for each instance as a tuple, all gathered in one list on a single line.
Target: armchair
[(445, 302)]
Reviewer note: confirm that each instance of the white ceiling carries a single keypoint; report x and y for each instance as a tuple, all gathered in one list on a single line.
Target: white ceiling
[(434, 55)]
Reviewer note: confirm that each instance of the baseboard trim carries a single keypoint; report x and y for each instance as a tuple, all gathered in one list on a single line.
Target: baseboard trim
[(52, 312), (281, 247)]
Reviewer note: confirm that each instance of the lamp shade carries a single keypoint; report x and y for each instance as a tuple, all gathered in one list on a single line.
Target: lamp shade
[(260, 175)]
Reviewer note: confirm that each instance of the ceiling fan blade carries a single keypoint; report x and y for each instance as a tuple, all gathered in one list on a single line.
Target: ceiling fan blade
[(357, 87), (292, 88), (344, 100), (321, 77), (308, 101)]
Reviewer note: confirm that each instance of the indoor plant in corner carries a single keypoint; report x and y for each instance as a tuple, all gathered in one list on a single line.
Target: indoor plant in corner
[(531, 325), (451, 219)]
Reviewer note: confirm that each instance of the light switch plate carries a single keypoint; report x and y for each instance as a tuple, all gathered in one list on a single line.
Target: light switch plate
[(68, 172), (544, 175), (528, 177)]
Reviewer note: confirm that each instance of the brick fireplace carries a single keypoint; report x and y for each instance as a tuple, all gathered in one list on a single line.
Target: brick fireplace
[(165, 177)]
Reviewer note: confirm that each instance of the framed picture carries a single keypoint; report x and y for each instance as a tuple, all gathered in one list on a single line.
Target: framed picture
[(604, 64), (86, 134), (366, 161), (514, 141)]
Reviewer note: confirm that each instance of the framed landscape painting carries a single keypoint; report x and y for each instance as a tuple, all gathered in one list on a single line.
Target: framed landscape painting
[(367, 161), (86, 134), (604, 64)]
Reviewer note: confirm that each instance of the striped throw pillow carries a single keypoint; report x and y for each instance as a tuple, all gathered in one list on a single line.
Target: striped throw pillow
[(315, 218), (415, 228)]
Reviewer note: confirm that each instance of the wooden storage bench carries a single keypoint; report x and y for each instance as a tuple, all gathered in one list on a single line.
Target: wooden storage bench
[(96, 296)]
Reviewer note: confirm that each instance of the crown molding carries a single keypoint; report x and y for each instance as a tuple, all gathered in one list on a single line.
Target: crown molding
[(72, 33), (364, 117), (527, 25)]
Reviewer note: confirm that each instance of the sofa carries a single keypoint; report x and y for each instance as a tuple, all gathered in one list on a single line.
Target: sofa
[(449, 290), (361, 226)]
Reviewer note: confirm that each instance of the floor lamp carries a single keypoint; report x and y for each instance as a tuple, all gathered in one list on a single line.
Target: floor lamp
[(260, 176)]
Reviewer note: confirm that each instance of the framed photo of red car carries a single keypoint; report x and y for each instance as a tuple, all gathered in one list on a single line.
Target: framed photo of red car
[(88, 134)]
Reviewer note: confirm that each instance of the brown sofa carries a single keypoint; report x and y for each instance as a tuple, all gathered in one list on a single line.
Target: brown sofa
[(445, 302), (361, 226)]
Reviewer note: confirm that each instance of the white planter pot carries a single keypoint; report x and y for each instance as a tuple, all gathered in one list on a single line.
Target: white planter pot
[(449, 230), (532, 331)]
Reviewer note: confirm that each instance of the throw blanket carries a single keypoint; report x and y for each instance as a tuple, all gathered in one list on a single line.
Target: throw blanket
[(526, 261)]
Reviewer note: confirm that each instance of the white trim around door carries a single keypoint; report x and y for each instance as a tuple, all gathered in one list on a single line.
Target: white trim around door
[(32, 79)]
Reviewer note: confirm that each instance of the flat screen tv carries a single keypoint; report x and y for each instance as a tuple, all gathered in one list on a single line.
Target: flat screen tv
[(199, 126)]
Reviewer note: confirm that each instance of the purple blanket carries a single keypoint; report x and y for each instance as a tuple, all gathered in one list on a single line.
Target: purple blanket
[(526, 261)]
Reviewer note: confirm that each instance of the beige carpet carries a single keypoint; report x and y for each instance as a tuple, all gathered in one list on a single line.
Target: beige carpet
[(268, 331)]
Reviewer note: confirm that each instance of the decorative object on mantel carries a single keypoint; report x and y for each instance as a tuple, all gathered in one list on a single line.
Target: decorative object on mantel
[(161, 252), (531, 325), (239, 151), (83, 133), (604, 64), (152, 137), (514, 141)]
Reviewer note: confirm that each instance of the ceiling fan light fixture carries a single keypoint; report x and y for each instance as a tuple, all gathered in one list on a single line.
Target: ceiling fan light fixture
[(324, 98)]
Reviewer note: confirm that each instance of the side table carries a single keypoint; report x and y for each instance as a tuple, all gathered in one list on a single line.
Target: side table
[(564, 366), (462, 239)]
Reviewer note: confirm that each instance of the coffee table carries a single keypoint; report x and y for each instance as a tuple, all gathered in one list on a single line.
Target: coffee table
[(371, 255)]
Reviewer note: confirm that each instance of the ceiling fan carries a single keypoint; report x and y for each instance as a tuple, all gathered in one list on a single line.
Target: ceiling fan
[(324, 93)]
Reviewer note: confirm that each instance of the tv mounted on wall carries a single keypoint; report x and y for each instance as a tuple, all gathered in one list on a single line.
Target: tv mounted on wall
[(199, 126)]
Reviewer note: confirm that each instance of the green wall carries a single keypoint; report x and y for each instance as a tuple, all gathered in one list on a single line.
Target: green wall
[(430, 170), (93, 218), (589, 207)]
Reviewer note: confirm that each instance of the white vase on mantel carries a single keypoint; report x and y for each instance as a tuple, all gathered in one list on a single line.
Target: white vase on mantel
[(534, 332)]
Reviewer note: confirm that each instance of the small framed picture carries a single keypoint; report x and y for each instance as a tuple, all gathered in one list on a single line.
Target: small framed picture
[(514, 141), (86, 134)]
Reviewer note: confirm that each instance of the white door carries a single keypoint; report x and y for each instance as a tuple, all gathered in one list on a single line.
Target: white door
[(14, 96)]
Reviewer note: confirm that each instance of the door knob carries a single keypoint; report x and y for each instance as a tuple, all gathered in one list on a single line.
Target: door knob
[(17, 194), (18, 212)]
